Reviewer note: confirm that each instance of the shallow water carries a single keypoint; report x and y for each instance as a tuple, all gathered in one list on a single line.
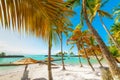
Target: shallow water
[(68, 60)]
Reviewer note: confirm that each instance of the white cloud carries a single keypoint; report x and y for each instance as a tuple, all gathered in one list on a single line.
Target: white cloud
[(11, 49), (55, 51)]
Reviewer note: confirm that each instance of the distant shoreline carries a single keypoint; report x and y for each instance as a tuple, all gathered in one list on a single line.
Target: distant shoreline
[(64, 56), (11, 56)]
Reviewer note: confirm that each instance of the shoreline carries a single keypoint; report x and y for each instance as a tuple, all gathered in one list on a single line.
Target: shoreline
[(12, 56)]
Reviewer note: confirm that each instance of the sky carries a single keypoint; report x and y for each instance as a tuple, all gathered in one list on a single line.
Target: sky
[(15, 43)]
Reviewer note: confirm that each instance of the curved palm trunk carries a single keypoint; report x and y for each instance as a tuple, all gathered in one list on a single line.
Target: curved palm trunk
[(80, 61), (62, 53), (111, 61), (49, 58), (97, 58), (88, 59), (111, 37), (87, 56), (78, 54)]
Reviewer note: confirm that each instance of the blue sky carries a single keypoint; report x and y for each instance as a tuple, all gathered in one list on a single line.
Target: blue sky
[(12, 42)]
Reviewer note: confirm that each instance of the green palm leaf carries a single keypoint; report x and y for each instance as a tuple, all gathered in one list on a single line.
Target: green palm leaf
[(104, 14)]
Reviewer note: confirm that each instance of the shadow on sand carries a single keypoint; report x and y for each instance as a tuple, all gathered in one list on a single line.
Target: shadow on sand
[(25, 75), (40, 79)]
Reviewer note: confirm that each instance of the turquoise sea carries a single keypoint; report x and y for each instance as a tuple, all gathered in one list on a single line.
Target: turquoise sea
[(68, 60)]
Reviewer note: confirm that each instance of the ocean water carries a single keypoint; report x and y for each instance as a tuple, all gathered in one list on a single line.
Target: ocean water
[(68, 60)]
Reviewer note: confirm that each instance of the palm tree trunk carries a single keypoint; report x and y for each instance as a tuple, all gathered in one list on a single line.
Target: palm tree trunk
[(80, 61), (97, 58), (88, 60), (111, 61), (77, 43), (111, 37), (62, 53), (49, 58)]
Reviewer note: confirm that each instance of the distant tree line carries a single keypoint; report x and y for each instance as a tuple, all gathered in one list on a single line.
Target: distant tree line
[(65, 54), (2, 54)]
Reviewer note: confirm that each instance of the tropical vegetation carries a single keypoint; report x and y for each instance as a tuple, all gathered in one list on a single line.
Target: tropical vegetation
[(49, 19), (2, 54)]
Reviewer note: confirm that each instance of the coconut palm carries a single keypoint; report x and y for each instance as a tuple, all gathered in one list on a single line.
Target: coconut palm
[(80, 38), (61, 41), (38, 17), (86, 55), (78, 47), (77, 43), (93, 48), (111, 61), (94, 8), (91, 44), (65, 30), (75, 39)]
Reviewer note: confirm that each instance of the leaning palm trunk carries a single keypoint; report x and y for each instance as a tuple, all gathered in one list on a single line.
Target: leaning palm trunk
[(77, 43), (111, 61), (49, 58), (80, 61), (97, 58), (62, 53), (111, 37), (88, 60)]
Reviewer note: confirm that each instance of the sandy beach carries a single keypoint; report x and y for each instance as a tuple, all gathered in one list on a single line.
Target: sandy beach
[(40, 72)]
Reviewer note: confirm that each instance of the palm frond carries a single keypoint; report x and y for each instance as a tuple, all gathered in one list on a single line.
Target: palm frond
[(95, 10), (103, 13), (37, 17)]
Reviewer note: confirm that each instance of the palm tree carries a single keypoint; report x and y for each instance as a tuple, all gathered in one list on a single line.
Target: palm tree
[(38, 17), (78, 47), (62, 54), (94, 47), (111, 37), (80, 38), (115, 71), (49, 56), (61, 40), (111, 61), (93, 10), (75, 39), (65, 30), (91, 44), (85, 51)]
